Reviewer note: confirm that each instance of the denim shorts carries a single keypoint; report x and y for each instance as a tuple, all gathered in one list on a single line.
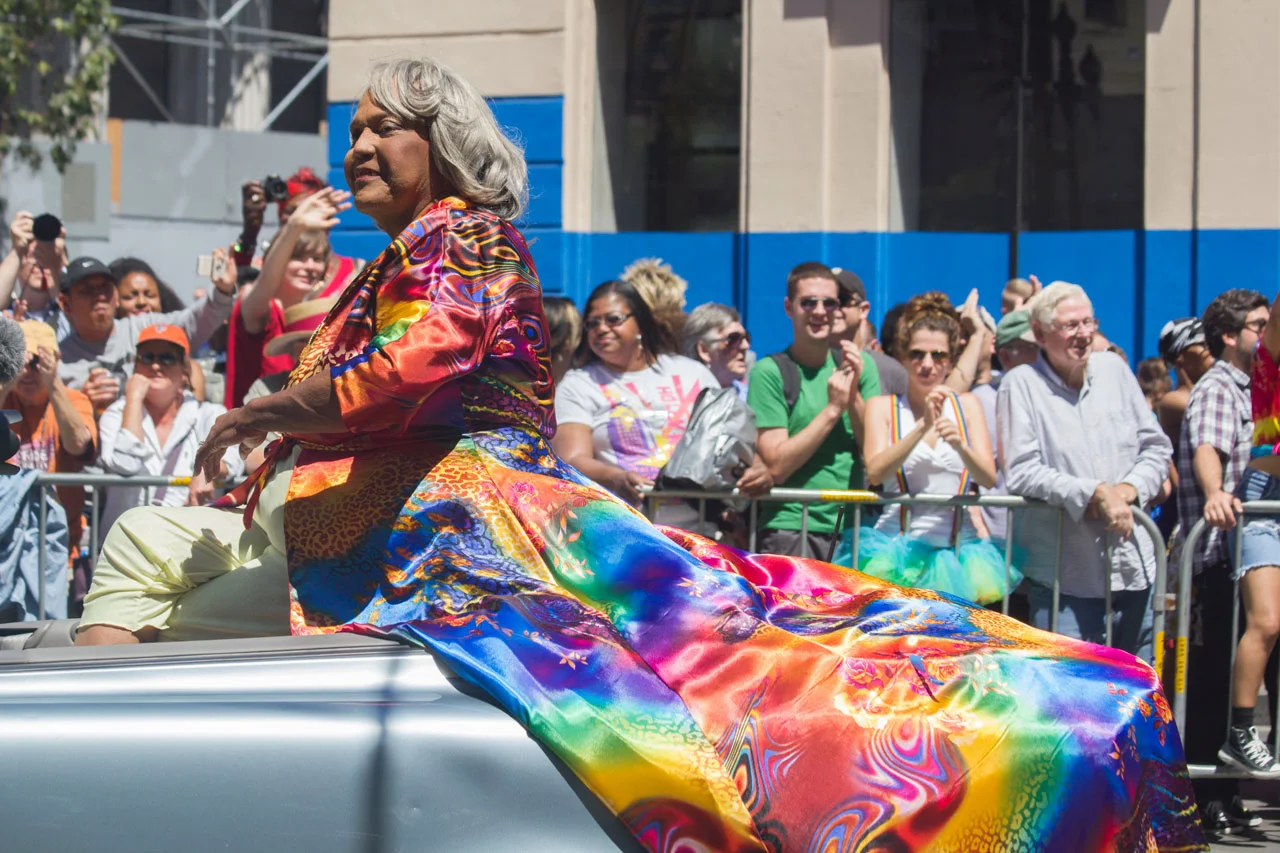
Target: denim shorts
[(1261, 533)]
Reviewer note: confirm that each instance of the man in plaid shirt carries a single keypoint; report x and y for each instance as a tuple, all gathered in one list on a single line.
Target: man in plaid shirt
[(1213, 452)]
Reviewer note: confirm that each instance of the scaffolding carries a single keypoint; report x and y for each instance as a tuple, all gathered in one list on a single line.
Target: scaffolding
[(217, 32)]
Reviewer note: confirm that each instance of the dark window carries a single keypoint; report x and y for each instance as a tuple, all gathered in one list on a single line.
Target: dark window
[(165, 64), (955, 67), (673, 137)]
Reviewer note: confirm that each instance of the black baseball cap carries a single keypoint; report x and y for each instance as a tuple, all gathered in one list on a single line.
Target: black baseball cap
[(848, 281), (82, 268)]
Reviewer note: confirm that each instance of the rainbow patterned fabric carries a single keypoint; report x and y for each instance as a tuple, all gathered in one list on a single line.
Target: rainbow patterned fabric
[(1265, 392), (714, 700)]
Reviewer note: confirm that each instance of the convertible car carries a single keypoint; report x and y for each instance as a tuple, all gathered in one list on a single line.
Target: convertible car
[(326, 743)]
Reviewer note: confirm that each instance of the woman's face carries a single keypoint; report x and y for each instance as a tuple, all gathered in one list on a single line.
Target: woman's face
[(928, 358), (726, 353), (388, 168), (138, 294), (165, 365), (612, 331), (301, 275)]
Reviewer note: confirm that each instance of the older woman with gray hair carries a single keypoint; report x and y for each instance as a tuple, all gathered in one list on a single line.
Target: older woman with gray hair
[(715, 336), (415, 495)]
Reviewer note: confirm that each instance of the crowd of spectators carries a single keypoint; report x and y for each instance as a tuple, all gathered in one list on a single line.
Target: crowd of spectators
[(124, 378)]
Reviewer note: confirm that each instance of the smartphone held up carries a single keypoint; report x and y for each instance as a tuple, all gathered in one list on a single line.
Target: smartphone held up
[(211, 267)]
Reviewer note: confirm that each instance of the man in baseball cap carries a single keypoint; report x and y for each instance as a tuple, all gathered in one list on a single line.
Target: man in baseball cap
[(98, 353), (1015, 342), (856, 309), (1184, 348)]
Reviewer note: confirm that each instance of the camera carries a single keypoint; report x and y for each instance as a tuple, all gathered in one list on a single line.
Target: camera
[(275, 189), (46, 228)]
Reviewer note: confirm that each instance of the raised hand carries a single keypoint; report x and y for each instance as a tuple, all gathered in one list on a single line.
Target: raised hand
[(319, 211)]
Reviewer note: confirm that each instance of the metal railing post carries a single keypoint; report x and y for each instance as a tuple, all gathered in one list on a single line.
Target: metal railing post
[(1107, 615), (1008, 560), (1057, 577), (856, 535), (1159, 592), (804, 530), (1182, 626), (42, 539)]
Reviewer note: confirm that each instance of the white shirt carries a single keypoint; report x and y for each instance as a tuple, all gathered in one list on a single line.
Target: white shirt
[(1057, 444), (123, 453)]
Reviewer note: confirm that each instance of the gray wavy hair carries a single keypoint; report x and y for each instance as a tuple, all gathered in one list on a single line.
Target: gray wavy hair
[(470, 150), (704, 324)]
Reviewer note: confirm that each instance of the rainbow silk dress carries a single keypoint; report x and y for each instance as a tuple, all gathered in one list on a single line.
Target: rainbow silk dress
[(714, 700)]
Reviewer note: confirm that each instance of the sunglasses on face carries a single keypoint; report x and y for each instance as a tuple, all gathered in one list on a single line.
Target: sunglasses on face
[(613, 321), (733, 340), (164, 359), (810, 303), (917, 355)]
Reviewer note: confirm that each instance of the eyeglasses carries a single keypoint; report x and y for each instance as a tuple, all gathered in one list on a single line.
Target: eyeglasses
[(809, 303), (1255, 326), (1075, 327), (613, 321), (164, 359), (733, 340), (917, 355)]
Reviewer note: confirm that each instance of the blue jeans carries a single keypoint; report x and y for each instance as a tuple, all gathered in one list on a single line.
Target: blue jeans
[(1085, 618)]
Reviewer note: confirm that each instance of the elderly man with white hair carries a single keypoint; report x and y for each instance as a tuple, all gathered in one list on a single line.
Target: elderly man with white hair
[(1076, 432)]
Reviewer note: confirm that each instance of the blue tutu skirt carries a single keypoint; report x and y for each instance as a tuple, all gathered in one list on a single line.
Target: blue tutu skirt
[(974, 571)]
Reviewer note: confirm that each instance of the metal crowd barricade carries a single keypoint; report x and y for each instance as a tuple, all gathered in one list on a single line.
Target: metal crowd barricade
[(1182, 635), (859, 499), (91, 483)]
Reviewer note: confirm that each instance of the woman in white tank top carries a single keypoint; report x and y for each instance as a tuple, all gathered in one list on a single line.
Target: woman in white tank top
[(932, 441)]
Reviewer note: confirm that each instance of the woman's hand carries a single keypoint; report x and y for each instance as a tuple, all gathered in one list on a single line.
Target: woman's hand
[(230, 430), (20, 232), (319, 211), (949, 431), (136, 387), (227, 281), (47, 367), (200, 491), (627, 485), (253, 206)]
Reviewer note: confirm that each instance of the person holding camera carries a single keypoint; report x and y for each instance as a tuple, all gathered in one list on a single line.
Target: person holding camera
[(57, 432), (98, 352), (287, 195), (37, 256), (292, 273)]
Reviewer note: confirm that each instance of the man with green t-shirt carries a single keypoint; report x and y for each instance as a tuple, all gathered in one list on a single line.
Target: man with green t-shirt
[(810, 441)]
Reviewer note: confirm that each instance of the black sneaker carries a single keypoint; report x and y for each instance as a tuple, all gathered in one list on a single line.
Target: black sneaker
[(1240, 816), (1244, 749), (1213, 817)]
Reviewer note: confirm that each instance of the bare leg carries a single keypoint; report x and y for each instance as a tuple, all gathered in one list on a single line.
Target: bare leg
[(109, 635), (1260, 590)]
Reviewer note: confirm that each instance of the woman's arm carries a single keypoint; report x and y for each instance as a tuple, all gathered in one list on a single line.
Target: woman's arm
[(121, 452), (318, 211), (309, 407), (976, 452), (572, 443), (883, 455)]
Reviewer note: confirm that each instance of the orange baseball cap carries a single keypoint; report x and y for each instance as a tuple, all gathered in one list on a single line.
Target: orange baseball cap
[(168, 333)]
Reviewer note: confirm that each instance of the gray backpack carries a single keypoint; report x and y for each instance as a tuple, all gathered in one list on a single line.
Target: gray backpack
[(718, 444)]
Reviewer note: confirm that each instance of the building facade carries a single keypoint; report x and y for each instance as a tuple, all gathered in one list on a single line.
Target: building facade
[(1132, 146)]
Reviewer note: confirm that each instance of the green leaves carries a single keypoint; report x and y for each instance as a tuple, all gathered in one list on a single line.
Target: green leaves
[(54, 60)]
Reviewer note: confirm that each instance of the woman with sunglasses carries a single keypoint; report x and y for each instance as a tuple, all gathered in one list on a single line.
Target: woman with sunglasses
[(931, 441), (714, 335), (156, 428), (621, 414)]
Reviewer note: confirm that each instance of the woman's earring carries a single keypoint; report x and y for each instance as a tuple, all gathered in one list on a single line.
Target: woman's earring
[(639, 337)]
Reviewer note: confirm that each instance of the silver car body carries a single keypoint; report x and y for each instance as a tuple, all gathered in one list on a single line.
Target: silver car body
[(326, 743)]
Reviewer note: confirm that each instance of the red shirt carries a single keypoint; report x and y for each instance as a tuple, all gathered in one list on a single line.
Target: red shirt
[(246, 361)]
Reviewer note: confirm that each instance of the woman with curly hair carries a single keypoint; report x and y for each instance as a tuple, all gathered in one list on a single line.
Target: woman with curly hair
[(931, 441)]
